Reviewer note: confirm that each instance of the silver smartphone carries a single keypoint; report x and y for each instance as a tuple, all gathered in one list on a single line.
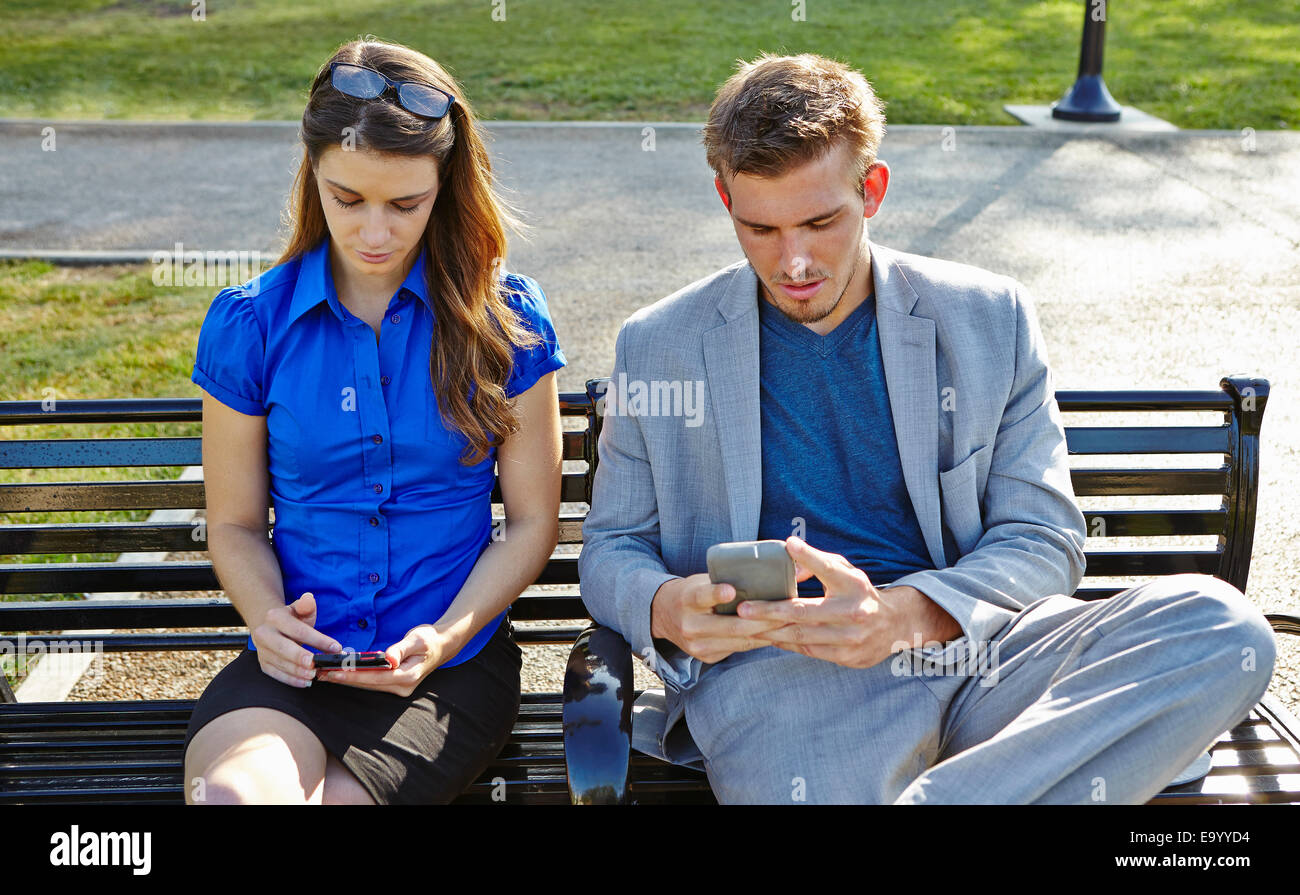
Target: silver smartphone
[(758, 570)]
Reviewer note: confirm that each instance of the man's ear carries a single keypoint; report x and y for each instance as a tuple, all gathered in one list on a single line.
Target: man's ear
[(722, 193), (874, 188)]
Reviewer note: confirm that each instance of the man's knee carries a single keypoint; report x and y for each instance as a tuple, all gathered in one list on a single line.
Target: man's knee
[(1223, 614)]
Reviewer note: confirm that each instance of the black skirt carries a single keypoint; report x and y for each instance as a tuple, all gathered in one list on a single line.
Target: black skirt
[(425, 748)]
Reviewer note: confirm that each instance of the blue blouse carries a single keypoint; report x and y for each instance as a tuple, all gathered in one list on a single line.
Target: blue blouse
[(374, 513)]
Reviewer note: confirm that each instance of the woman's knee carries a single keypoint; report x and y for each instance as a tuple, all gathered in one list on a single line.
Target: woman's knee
[(263, 757)]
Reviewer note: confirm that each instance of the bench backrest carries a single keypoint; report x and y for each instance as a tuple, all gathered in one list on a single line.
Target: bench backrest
[(1231, 441)]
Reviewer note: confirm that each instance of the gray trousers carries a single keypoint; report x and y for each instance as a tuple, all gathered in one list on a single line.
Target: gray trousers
[(1073, 702)]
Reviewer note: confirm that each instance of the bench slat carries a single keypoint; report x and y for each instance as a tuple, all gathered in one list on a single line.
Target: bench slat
[(1151, 562), (1083, 400), (1148, 439), (55, 578), (80, 453), (69, 453), (132, 537), (67, 496), (64, 644), (67, 578), (95, 615), (1098, 482), (1154, 523), (160, 410), (167, 495)]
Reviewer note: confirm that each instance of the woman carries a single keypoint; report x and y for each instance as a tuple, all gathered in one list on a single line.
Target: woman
[(369, 381)]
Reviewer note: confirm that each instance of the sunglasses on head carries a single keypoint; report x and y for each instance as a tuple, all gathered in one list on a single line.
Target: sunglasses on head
[(424, 100)]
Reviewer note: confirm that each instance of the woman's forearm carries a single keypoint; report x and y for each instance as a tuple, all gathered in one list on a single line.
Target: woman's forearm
[(248, 570), (501, 573)]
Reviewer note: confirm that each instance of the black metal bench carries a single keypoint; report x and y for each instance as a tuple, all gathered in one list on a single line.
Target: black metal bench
[(1257, 761), (130, 751)]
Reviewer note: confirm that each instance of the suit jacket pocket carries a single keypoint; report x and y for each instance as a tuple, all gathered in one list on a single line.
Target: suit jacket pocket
[(959, 488)]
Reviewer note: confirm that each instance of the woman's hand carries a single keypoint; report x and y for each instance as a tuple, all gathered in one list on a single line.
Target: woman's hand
[(280, 637), (421, 651)]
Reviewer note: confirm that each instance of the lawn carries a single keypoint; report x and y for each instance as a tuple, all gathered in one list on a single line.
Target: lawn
[(103, 332), (1198, 63)]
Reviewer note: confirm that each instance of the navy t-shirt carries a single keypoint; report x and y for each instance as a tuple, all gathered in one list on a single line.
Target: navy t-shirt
[(831, 472)]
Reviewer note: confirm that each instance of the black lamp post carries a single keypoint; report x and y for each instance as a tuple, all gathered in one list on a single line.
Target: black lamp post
[(1088, 99)]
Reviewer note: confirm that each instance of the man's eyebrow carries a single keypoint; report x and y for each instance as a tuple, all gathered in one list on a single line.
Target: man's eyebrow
[(817, 217), (398, 199)]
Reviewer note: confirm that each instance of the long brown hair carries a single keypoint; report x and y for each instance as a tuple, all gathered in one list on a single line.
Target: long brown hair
[(474, 330)]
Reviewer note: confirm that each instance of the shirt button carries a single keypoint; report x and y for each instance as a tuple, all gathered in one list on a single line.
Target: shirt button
[(361, 623), (374, 520), (379, 439), (379, 489), (374, 577), (384, 380), (396, 318)]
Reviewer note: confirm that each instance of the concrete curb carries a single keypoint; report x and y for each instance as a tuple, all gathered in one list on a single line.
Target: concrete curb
[(88, 258)]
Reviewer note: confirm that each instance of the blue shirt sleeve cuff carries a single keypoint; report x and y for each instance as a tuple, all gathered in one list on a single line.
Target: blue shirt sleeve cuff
[(226, 396), (529, 378)]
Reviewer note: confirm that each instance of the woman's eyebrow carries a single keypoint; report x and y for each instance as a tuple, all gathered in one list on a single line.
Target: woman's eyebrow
[(398, 199)]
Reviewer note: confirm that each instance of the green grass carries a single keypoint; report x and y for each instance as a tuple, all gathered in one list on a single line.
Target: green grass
[(100, 332), (1198, 63)]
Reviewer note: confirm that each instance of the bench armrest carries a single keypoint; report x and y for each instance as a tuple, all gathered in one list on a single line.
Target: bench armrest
[(598, 697), (1284, 624)]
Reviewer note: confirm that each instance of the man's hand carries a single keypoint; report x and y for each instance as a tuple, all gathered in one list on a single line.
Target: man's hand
[(854, 624), (682, 612), (417, 654)]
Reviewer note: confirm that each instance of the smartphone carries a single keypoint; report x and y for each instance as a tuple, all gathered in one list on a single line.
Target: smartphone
[(758, 570), (352, 661)]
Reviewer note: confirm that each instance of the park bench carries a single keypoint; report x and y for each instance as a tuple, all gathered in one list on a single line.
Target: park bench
[(130, 751)]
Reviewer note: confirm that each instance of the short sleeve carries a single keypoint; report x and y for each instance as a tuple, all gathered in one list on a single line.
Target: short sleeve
[(526, 298), (229, 361)]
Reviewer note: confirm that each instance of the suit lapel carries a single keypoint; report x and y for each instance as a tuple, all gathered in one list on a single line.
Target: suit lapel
[(731, 363), (907, 347)]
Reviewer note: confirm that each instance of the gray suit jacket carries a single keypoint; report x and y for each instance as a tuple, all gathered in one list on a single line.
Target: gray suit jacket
[(979, 436)]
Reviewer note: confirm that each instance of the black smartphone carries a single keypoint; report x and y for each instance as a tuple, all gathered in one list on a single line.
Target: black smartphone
[(758, 570), (352, 661)]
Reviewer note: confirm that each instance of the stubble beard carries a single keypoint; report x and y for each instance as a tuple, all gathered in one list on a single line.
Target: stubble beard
[(809, 315)]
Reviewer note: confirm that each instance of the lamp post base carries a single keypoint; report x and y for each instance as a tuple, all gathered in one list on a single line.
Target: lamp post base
[(1087, 100)]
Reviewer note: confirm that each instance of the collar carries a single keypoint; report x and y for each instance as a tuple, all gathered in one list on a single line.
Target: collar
[(316, 282)]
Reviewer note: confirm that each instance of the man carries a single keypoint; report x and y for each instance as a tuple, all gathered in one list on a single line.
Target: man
[(897, 414)]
